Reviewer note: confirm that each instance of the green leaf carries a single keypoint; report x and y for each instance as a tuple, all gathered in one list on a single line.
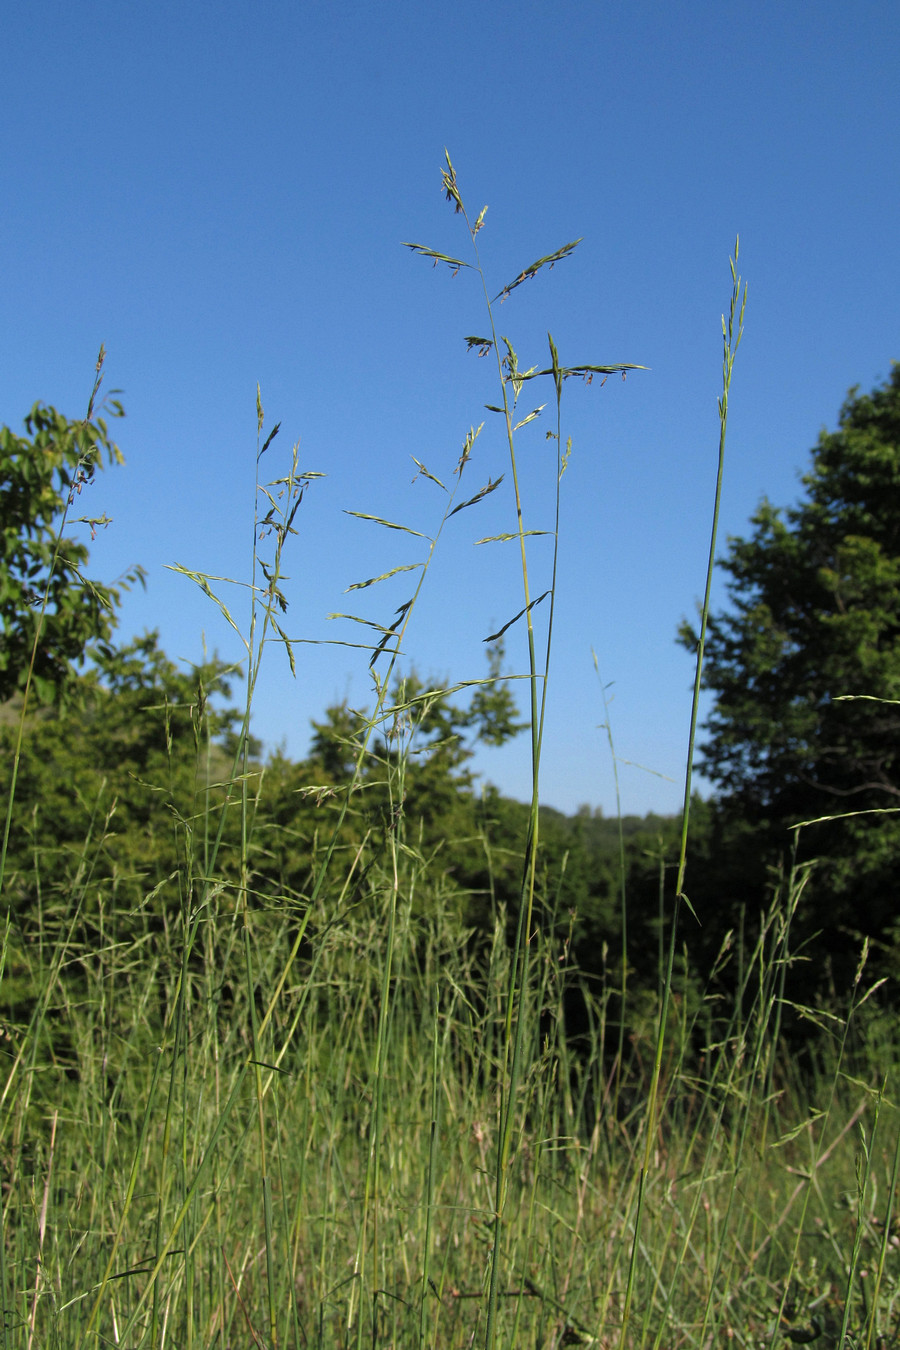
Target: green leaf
[(448, 183), (202, 580), (797, 1130), (481, 345), (471, 437), (504, 538), (533, 268), (379, 627), (867, 698), (401, 611), (336, 642), (581, 372), (388, 524), (494, 636), (530, 418), (432, 695), (287, 645), (361, 585), (268, 441), (488, 488), (454, 263), (425, 474)]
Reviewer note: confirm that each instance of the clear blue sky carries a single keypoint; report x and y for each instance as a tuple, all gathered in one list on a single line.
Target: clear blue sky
[(219, 191)]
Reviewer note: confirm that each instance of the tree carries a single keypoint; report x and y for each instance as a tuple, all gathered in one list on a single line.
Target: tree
[(804, 667), (41, 476), (145, 747)]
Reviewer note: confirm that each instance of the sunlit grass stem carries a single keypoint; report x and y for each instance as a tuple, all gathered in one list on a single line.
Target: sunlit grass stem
[(732, 332)]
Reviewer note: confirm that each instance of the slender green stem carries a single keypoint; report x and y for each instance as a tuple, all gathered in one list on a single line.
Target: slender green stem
[(623, 906), (732, 332)]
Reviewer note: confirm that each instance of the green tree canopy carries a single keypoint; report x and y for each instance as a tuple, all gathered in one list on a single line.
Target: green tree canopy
[(143, 749), (804, 666), (42, 475)]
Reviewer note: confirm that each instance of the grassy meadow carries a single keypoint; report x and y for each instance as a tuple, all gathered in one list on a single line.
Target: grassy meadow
[(245, 1106)]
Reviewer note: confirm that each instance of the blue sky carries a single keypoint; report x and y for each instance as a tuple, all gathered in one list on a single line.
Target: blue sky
[(219, 192)]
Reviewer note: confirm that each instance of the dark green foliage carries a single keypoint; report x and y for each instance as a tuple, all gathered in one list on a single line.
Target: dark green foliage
[(334, 746), (111, 791), (42, 475), (127, 790), (805, 670)]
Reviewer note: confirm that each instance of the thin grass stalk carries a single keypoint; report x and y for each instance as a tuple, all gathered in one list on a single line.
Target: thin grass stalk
[(292, 1320), (190, 1224), (25, 1062), (511, 1071), (178, 1049), (179, 1054), (279, 521), (380, 712), (48, 985), (767, 1007), (731, 337), (39, 1274), (872, 1320), (192, 1191), (726, 1090), (523, 1261), (732, 332), (519, 974), (863, 1176), (780, 961), (798, 878), (5, 1299), (217, 1277), (819, 1154), (518, 983), (193, 919), (623, 905), (128, 1198), (430, 1186), (255, 658), (371, 1197), (519, 968), (512, 1050)]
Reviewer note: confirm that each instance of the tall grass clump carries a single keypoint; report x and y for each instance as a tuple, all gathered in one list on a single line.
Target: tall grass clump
[(271, 1084), (512, 381)]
